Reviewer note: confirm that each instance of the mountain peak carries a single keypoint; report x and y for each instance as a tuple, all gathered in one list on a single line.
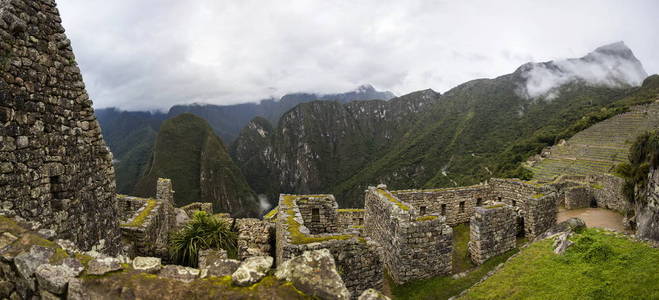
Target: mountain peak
[(365, 88), (613, 65), (617, 48)]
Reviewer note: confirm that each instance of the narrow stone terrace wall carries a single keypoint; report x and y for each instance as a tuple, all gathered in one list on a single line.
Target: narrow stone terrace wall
[(492, 231), (456, 204), (55, 168), (145, 233), (357, 259), (415, 246)]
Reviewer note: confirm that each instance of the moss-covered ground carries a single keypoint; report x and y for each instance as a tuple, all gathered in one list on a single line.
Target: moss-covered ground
[(601, 265)]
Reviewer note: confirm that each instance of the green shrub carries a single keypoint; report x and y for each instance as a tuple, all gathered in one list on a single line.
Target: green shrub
[(643, 155), (202, 232)]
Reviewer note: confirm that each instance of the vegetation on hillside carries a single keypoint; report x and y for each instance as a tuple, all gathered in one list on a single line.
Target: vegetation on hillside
[(643, 156), (195, 159), (600, 265), (204, 231)]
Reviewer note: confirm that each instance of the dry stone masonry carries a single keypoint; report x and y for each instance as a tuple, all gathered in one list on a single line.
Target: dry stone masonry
[(55, 168), (492, 231), (148, 222), (358, 259), (416, 246)]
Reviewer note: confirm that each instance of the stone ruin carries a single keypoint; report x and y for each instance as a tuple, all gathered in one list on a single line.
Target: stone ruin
[(417, 246), (358, 259), (58, 197), (492, 231), (146, 223), (55, 169)]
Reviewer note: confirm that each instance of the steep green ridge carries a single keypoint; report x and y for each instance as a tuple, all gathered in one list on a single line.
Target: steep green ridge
[(317, 145), (480, 129), (599, 148), (195, 159)]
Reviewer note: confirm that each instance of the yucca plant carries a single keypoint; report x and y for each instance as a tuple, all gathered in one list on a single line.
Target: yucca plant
[(202, 232)]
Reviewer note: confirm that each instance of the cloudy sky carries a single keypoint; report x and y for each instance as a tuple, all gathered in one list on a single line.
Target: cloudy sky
[(151, 54)]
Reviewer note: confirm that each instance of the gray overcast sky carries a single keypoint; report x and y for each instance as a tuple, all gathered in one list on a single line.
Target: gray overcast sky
[(151, 54)]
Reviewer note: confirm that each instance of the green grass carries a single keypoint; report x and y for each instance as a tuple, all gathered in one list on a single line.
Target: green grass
[(601, 265), (444, 287), (426, 218), (461, 260)]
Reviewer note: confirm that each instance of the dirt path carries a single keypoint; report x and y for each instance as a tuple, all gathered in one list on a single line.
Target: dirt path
[(594, 217)]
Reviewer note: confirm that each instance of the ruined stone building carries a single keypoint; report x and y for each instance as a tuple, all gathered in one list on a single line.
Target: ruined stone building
[(55, 169)]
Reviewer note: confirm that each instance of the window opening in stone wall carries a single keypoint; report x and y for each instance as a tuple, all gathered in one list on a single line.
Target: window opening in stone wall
[(479, 201), (422, 210), (514, 203), (55, 188), (462, 206), (361, 221), (499, 199), (443, 209), (315, 215)]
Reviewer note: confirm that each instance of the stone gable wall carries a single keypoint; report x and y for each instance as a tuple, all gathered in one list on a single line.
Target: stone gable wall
[(492, 231), (416, 247), (358, 259), (55, 168)]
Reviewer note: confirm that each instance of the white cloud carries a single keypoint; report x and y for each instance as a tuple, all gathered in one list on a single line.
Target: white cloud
[(154, 53), (612, 65)]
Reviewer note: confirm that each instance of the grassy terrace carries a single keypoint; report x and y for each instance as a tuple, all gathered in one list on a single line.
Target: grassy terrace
[(601, 265), (598, 148)]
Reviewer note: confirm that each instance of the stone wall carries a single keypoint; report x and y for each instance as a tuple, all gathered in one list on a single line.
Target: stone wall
[(580, 196), (608, 192), (55, 168), (319, 213), (415, 246), (145, 233), (255, 238), (539, 212), (456, 204), (351, 218), (33, 267), (191, 208), (492, 231), (357, 259)]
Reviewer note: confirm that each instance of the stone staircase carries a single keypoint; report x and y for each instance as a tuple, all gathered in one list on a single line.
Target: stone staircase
[(599, 148)]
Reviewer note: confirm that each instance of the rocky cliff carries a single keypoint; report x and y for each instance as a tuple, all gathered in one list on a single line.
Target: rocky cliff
[(195, 159)]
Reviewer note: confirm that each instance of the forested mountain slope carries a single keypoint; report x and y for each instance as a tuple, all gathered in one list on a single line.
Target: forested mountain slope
[(480, 129)]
